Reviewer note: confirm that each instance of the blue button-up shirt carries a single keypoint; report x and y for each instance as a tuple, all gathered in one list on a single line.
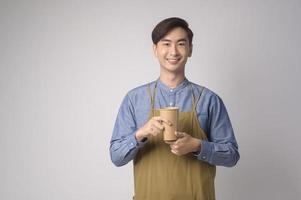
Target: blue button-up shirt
[(221, 147)]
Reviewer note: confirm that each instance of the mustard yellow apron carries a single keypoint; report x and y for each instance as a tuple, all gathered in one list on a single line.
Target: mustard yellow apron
[(161, 175)]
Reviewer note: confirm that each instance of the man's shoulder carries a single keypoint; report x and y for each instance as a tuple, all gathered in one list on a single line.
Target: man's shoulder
[(205, 90), (140, 90), (208, 97)]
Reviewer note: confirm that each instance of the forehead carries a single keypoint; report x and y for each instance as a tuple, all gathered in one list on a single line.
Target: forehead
[(176, 34)]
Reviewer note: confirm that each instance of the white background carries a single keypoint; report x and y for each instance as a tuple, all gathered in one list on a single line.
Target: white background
[(66, 65)]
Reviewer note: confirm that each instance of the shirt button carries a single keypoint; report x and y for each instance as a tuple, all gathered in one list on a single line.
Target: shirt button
[(132, 143), (171, 104), (171, 90), (203, 157)]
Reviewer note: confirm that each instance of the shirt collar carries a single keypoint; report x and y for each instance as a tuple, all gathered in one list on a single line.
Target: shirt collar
[(164, 87)]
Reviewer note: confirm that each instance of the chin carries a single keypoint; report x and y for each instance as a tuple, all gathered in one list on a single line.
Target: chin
[(173, 68)]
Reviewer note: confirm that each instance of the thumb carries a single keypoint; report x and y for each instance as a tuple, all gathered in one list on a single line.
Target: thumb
[(180, 134)]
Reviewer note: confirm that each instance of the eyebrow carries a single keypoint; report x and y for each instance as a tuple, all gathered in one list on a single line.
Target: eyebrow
[(179, 40)]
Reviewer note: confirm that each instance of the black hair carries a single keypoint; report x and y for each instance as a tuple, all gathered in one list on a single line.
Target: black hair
[(167, 25)]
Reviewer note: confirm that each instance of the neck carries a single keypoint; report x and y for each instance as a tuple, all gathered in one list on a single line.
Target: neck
[(172, 80)]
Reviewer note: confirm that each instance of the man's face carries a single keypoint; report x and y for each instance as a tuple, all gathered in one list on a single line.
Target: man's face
[(173, 50)]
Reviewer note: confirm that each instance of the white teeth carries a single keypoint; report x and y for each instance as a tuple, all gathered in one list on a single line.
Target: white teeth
[(173, 61)]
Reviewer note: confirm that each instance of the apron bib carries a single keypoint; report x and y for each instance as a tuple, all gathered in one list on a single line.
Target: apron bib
[(161, 175)]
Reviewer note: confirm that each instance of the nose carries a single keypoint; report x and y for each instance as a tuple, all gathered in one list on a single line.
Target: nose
[(173, 50)]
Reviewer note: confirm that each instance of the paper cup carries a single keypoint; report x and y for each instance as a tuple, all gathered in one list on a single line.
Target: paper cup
[(171, 114)]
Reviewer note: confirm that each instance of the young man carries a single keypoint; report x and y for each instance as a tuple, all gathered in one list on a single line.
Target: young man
[(184, 169)]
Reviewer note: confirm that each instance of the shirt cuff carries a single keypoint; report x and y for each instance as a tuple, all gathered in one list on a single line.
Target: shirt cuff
[(205, 152), (134, 143)]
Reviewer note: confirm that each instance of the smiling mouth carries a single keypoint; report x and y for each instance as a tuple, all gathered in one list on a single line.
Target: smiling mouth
[(173, 60)]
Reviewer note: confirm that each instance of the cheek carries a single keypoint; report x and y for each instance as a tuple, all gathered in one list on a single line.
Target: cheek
[(161, 54), (187, 53)]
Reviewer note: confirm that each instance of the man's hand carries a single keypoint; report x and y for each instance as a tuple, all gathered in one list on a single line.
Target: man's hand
[(185, 144), (152, 128)]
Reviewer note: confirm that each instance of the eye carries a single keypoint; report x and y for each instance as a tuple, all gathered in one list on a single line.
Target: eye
[(166, 44), (182, 44)]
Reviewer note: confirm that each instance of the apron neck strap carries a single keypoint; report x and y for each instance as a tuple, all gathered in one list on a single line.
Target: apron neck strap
[(194, 98), (152, 97)]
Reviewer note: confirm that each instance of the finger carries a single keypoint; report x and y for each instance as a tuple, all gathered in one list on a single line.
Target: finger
[(156, 130), (176, 152), (151, 130), (180, 134), (170, 143), (174, 147), (161, 119), (173, 151), (158, 125)]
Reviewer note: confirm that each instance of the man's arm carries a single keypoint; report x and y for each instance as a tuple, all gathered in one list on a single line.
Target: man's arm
[(126, 139), (123, 145), (221, 147)]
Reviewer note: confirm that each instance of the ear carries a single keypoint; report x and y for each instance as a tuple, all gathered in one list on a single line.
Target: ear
[(155, 50), (190, 50)]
